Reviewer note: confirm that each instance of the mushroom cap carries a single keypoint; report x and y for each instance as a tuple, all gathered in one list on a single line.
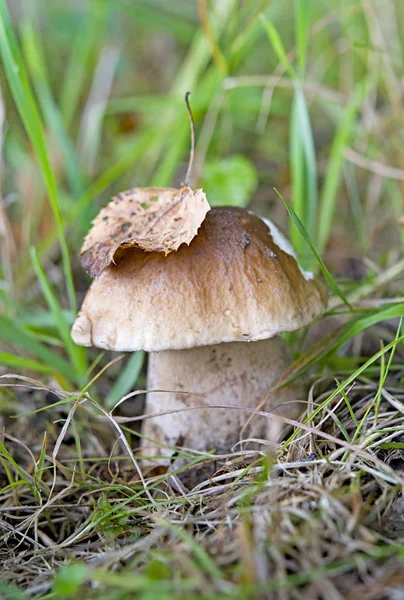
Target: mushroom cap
[(238, 281)]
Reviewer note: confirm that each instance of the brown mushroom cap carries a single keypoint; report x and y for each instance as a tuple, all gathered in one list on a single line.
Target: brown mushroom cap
[(238, 280)]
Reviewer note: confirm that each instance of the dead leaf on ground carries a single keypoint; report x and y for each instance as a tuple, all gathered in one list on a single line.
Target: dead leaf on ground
[(153, 219)]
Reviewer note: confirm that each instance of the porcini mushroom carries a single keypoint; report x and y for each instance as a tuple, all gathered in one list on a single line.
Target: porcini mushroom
[(210, 315)]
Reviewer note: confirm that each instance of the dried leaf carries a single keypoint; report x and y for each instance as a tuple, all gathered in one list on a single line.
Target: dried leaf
[(152, 219)]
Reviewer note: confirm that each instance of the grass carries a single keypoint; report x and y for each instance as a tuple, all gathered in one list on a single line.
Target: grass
[(299, 104)]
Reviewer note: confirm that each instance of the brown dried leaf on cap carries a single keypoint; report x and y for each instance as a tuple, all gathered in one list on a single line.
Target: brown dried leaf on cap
[(152, 219)]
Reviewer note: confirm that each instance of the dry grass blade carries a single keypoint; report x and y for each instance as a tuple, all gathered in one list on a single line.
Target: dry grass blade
[(287, 494), (279, 418)]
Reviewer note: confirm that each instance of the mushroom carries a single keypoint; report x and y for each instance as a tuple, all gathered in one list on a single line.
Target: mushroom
[(210, 315)]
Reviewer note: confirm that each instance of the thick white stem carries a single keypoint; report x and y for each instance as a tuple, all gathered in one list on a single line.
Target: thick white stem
[(236, 374)]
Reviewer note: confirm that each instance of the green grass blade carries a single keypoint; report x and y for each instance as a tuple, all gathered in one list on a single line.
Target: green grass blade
[(344, 134), (27, 108), (363, 322), (76, 353), (41, 319), (36, 65), (79, 63), (92, 118), (302, 19), (297, 163), (4, 453), (330, 343), (349, 406), (384, 371), (327, 275), (126, 379), (302, 152), (20, 362), (11, 592), (303, 168), (205, 561), (18, 336), (277, 45), (359, 371), (352, 377)]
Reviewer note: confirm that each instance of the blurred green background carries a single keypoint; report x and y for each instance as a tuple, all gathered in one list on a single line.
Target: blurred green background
[(303, 96)]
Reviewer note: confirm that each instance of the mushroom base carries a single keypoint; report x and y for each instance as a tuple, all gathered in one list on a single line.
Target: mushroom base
[(234, 374)]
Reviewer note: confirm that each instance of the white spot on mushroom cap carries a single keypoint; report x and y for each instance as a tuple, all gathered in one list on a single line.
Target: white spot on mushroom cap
[(283, 243)]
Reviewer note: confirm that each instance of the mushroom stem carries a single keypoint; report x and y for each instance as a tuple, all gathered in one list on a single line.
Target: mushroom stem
[(236, 374)]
